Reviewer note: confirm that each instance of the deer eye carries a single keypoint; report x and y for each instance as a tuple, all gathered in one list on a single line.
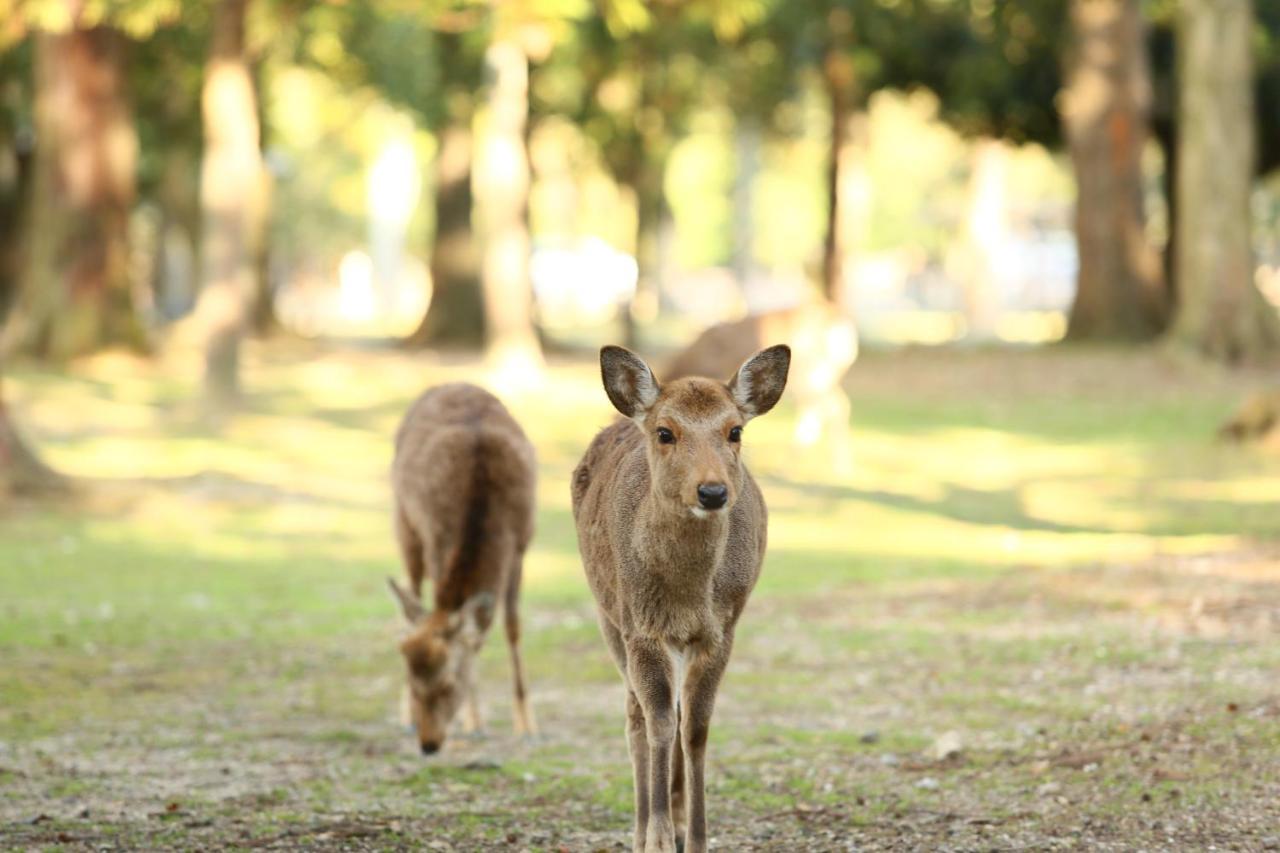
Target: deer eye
[(666, 436), (735, 434)]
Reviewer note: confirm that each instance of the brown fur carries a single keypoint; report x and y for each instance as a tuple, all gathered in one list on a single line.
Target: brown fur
[(463, 479), (824, 343), (1257, 419), (671, 578)]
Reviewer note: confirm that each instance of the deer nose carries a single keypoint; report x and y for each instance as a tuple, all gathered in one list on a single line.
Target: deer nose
[(430, 747), (713, 495)]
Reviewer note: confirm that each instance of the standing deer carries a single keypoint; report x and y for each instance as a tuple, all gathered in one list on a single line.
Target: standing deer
[(672, 531), (463, 478)]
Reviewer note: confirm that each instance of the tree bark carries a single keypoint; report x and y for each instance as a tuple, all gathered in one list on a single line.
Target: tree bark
[(502, 184), (456, 314), (1106, 108), (986, 233), (840, 82), (230, 187), (1221, 312), (15, 195), (747, 145), (21, 470), (77, 295)]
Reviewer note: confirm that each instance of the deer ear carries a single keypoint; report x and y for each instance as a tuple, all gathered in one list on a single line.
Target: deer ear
[(759, 382), (409, 606), (628, 381)]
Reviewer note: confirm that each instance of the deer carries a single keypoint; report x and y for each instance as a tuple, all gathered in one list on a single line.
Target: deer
[(672, 531), (825, 346), (463, 481)]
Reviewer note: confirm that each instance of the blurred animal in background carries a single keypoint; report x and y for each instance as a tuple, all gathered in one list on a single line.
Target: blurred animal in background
[(672, 532), (824, 345), (463, 480), (1257, 419)]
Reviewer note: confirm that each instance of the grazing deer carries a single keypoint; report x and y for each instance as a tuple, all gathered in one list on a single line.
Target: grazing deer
[(463, 478), (671, 527)]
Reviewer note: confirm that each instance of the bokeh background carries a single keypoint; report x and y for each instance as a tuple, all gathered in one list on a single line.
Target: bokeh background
[(1023, 587)]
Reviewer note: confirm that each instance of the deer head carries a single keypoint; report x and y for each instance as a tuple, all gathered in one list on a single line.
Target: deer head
[(438, 651), (694, 426)]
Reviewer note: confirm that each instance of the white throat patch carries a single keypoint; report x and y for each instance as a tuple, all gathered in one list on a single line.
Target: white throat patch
[(679, 664)]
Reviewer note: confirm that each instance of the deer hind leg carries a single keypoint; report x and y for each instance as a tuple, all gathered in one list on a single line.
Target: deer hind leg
[(523, 713)]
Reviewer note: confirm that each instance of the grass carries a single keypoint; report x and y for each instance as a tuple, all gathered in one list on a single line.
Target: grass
[(1044, 552)]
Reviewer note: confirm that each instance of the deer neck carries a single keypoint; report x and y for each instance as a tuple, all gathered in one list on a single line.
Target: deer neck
[(679, 546)]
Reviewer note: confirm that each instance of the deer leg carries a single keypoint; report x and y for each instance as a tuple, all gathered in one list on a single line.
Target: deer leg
[(649, 669), (677, 786), (410, 552), (471, 717), (524, 722), (701, 685), (638, 748)]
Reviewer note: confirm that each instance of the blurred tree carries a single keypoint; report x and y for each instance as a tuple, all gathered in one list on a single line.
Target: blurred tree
[(231, 182), (456, 314), (428, 59), (77, 295), (1266, 43), (21, 471), (1221, 312), (1105, 108), (629, 79), (840, 80), (165, 79), (16, 149), (502, 186), (76, 291)]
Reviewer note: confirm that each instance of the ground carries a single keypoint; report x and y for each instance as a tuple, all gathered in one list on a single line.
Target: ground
[(1036, 608)]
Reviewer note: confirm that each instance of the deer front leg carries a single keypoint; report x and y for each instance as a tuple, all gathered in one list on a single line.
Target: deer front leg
[(698, 700), (638, 748), (649, 670), (471, 720)]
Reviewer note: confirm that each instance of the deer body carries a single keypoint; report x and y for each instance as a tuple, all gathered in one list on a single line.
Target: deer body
[(463, 480), (672, 532)]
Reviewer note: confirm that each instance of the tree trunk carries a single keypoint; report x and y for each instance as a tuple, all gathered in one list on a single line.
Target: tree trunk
[(1221, 313), (646, 184), (230, 187), (77, 294), (456, 314), (15, 193), (21, 470), (502, 184), (1106, 107), (747, 145), (838, 76), (986, 235)]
